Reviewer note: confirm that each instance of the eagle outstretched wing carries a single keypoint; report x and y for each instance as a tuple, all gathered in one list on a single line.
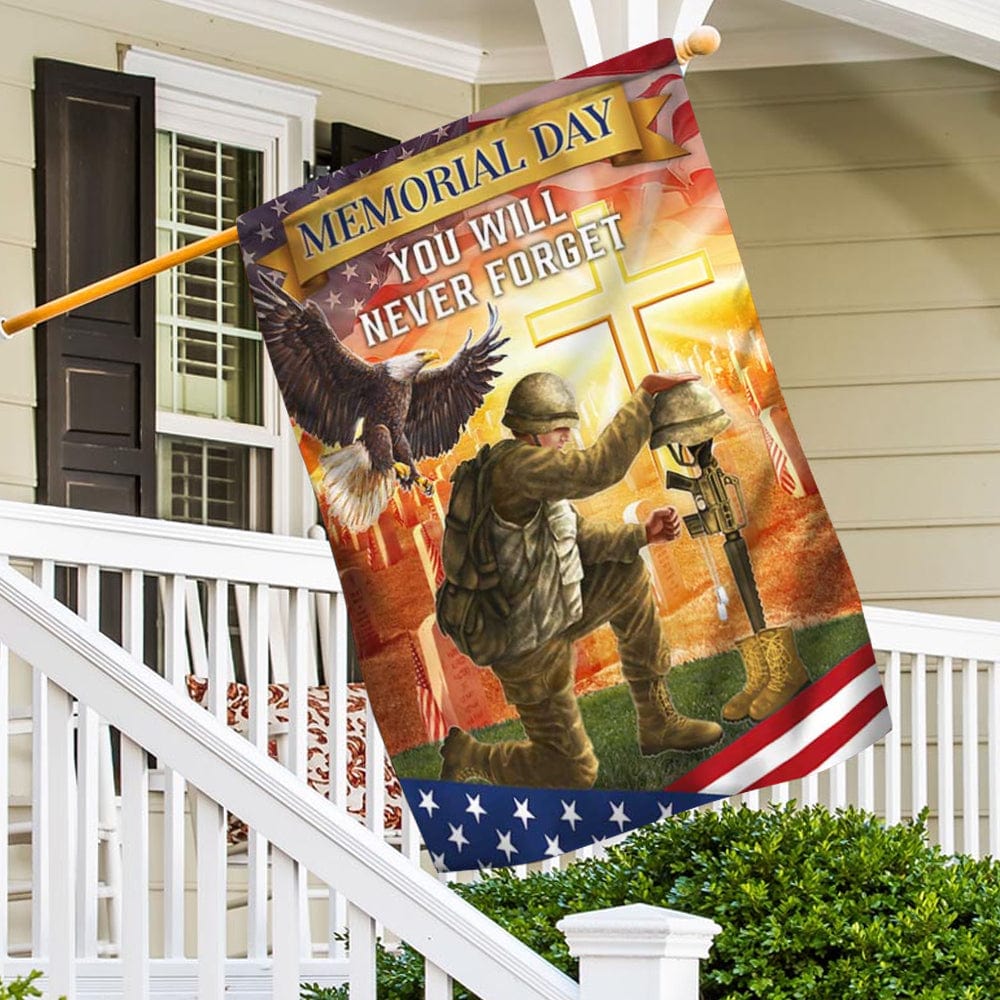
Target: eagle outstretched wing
[(444, 398), (324, 384)]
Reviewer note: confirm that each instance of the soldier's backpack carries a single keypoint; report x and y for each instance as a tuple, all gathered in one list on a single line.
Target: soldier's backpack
[(470, 605)]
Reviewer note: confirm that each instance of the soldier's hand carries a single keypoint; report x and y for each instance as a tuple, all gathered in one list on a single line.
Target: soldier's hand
[(663, 525), (661, 381)]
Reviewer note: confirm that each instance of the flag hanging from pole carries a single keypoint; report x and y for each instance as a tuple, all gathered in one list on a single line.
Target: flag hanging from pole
[(591, 580)]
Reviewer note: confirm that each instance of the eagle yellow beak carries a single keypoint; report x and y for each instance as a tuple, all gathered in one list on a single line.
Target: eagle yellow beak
[(430, 356)]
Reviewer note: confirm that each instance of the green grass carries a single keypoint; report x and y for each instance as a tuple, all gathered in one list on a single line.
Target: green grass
[(699, 689)]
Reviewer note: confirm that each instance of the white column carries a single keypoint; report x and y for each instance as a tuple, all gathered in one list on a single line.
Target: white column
[(655, 951)]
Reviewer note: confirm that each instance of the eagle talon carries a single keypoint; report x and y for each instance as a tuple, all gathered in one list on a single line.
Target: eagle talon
[(426, 485), (402, 470)]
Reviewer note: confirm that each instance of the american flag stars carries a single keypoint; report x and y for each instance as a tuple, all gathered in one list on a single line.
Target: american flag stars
[(473, 826)]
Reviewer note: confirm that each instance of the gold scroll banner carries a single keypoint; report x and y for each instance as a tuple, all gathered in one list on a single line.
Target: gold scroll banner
[(568, 132)]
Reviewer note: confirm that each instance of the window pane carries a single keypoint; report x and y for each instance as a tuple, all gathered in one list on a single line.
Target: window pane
[(208, 482), (212, 353)]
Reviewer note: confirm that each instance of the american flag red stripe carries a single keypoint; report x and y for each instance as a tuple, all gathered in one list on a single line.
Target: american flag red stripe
[(813, 721), (828, 743)]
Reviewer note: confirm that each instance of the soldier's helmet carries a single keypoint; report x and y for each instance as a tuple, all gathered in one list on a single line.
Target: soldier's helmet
[(687, 414), (539, 403)]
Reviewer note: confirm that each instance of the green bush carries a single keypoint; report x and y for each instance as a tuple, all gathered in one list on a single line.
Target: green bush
[(21, 987), (811, 905)]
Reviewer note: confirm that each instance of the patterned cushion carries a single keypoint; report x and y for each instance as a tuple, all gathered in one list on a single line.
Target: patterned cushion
[(317, 728)]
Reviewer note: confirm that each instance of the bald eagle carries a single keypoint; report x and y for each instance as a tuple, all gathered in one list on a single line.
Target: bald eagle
[(382, 418)]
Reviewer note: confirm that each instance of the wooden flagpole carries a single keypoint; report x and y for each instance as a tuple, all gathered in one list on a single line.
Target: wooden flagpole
[(116, 282), (702, 41)]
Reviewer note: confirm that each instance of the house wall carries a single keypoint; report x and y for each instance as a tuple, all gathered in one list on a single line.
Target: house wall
[(865, 199), (377, 95)]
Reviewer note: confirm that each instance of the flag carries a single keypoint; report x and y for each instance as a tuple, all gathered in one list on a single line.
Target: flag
[(590, 574)]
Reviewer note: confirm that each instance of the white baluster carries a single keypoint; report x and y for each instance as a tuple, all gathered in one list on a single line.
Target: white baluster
[(41, 897), (210, 834), (88, 784), (866, 779), (210, 817), (374, 778), (361, 929), (994, 757), (257, 621), (751, 799), (175, 671), (437, 983), (946, 756), (336, 680), (838, 785), (135, 818), (291, 938), (893, 741), (60, 849), (918, 735), (970, 758), (810, 789), (4, 793)]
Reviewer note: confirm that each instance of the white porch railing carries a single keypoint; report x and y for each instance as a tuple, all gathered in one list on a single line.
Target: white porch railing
[(270, 608)]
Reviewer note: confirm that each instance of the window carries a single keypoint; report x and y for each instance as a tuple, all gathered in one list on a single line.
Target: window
[(225, 143)]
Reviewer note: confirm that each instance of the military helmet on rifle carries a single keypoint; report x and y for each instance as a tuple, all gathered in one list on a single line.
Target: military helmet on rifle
[(539, 403)]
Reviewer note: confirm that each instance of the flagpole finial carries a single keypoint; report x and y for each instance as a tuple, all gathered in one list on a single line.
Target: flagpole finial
[(702, 41)]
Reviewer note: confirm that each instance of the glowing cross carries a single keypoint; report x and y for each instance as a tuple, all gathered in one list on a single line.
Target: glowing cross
[(619, 299)]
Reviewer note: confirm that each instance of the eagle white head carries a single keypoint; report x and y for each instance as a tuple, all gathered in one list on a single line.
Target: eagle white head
[(406, 367)]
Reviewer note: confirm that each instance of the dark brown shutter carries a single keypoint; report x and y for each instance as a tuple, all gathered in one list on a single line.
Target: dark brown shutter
[(95, 215), (349, 143)]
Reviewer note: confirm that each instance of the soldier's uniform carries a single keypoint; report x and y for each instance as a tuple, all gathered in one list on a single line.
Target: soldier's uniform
[(564, 577)]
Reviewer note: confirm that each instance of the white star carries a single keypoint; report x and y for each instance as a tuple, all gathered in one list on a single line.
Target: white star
[(321, 192), (474, 807), (333, 299), (404, 153), (440, 132), (357, 306), (388, 247), (278, 207), (506, 845), (666, 810), (373, 280), (264, 233), (437, 860), (570, 815), (350, 271), (363, 173), (522, 812), (457, 837), (247, 257), (427, 802), (618, 815), (485, 868), (552, 849)]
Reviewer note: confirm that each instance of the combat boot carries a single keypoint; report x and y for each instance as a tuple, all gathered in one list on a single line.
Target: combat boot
[(755, 665), (786, 674), (465, 758), (662, 727)]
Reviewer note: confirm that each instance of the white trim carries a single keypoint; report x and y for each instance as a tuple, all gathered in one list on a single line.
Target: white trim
[(320, 23), (208, 429), (253, 98), (933, 635), (278, 119)]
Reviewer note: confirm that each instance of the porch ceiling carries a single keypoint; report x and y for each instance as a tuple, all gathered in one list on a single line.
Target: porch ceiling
[(495, 41)]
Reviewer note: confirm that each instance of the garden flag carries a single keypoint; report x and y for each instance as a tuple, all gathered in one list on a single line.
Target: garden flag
[(590, 578)]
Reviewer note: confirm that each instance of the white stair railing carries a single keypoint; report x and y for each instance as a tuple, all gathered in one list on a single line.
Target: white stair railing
[(379, 884)]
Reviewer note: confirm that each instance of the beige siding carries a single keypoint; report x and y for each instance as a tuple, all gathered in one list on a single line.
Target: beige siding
[(368, 92), (866, 202)]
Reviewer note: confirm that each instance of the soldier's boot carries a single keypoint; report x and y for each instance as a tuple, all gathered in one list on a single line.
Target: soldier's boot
[(786, 672), (755, 666), (557, 753), (662, 727), (465, 758)]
